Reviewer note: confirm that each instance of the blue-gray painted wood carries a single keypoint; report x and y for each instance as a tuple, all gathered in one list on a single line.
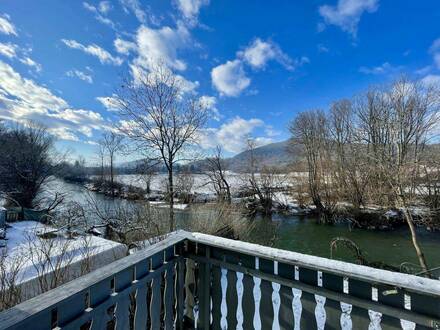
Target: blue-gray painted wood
[(180, 294), (117, 294), (169, 296), (141, 314), (156, 302)]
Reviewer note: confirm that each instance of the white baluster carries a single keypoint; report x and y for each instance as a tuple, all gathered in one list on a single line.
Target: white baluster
[(320, 313), (257, 297), (346, 322), (375, 317), (276, 300), (296, 302), (223, 306), (407, 325), (240, 290)]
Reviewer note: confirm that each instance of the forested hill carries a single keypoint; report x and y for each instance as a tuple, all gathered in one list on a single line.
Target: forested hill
[(278, 154)]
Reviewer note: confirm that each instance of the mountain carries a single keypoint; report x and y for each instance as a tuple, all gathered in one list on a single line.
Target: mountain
[(278, 154)]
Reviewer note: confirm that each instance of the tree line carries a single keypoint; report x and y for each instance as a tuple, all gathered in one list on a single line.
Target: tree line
[(28, 161), (375, 149)]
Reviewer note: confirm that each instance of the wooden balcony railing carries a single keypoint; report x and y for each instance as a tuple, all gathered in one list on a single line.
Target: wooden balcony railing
[(193, 280)]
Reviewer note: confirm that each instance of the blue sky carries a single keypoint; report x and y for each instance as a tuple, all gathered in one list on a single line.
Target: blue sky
[(256, 63)]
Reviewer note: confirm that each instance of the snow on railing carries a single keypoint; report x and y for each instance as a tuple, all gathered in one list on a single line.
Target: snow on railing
[(192, 280)]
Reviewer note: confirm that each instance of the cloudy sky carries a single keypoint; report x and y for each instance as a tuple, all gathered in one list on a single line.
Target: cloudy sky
[(256, 63)]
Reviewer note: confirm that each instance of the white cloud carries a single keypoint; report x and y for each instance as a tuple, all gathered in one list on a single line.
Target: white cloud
[(104, 56), (135, 7), (435, 51), (232, 136), (30, 62), (8, 49), (106, 21), (259, 52), (158, 46), (6, 27), (124, 47), (424, 70), (104, 7), (89, 7), (323, 49), (230, 78), (187, 85), (81, 75), (161, 45), (431, 80), (109, 102), (384, 68), (437, 60), (347, 13), (22, 100), (435, 46), (139, 73), (209, 103), (100, 11), (190, 8)]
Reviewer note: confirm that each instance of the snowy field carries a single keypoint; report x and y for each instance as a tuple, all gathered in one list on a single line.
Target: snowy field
[(159, 182), (237, 182)]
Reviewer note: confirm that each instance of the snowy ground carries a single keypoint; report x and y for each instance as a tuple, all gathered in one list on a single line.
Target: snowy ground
[(25, 253), (159, 181), (205, 192), (176, 206)]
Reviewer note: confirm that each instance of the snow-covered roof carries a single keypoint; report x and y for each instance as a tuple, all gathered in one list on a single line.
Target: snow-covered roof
[(25, 247)]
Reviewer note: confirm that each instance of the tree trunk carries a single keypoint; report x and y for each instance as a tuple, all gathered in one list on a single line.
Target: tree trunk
[(420, 255), (148, 187), (111, 176), (102, 169), (171, 197), (412, 229), (228, 194)]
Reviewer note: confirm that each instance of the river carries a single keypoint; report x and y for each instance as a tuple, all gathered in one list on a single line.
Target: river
[(303, 234)]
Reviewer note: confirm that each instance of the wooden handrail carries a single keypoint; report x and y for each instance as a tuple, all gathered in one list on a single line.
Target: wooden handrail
[(196, 270), (372, 275)]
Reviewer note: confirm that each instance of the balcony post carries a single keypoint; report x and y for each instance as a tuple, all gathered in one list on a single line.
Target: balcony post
[(205, 291)]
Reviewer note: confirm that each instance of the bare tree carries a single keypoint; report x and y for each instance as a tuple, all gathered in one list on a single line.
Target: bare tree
[(127, 223), (184, 186), (396, 123), (430, 179), (216, 175), (10, 290), (51, 260), (147, 171), (350, 174), (263, 183), (101, 151), (161, 119), (113, 144), (311, 130), (28, 162)]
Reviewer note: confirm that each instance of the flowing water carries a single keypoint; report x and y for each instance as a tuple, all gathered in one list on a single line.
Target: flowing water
[(303, 234)]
